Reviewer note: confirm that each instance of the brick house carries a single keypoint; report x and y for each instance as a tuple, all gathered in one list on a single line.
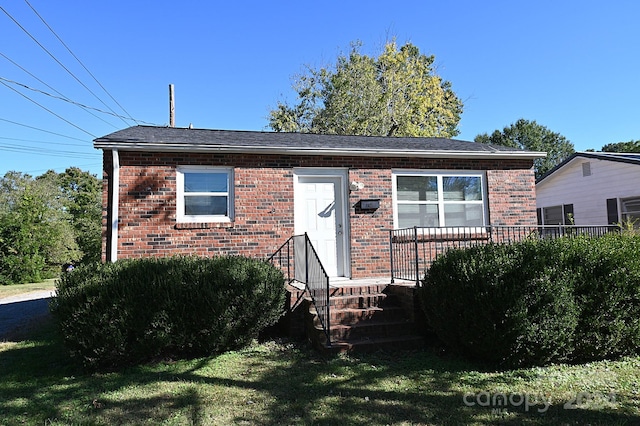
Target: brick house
[(170, 191)]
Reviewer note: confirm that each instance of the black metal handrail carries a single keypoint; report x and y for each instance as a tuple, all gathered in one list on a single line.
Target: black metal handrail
[(412, 250), (299, 261)]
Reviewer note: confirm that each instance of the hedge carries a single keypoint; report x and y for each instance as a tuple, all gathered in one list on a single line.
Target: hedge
[(538, 301), (133, 311)]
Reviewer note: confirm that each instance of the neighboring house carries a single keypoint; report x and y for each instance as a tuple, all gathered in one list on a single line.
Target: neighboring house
[(590, 188), (174, 191)]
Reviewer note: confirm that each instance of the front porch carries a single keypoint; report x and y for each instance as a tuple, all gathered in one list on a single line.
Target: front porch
[(344, 315), (362, 315)]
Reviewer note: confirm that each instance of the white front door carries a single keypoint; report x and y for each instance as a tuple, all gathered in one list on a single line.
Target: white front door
[(319, 211)]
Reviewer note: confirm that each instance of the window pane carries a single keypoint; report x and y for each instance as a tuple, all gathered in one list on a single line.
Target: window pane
[(410, 215), (553, 215), (205, 205), (631, 205), (631, 211), (417, 188), (205, 182), (462, 188), (463, 214)]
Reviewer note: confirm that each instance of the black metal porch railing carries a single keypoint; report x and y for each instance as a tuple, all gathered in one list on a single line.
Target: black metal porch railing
[(412, 250), (298, 259)]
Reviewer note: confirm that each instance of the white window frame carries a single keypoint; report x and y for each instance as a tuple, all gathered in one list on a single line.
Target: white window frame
[(440, 174), (181, 217)]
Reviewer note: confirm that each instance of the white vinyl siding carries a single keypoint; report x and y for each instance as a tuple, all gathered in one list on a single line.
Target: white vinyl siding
[(589, 194)]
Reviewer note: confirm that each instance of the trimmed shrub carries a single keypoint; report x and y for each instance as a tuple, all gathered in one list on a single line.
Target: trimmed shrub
[(608, 292), (538, 301), (133, 311), (500, 304)]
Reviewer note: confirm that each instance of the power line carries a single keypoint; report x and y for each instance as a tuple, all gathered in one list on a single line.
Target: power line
[(48, 152), (65, 99), (58, 62), (47, 109), (63, 96), (43, 142), (80, 166), (80, 62), (41, 130)]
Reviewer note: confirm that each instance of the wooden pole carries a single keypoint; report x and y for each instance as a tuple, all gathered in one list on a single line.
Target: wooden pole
[(172, 110)]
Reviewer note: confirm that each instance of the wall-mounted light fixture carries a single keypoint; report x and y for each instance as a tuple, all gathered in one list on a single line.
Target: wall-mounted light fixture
[(356, 186)]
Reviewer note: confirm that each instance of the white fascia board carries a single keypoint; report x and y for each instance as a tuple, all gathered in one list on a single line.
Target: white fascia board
[(319, 151)]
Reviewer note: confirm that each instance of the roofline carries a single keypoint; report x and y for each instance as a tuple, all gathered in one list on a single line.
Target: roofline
[(168, 147), (594, 155)]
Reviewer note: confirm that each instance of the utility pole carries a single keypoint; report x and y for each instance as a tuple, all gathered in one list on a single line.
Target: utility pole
[(172, 109)]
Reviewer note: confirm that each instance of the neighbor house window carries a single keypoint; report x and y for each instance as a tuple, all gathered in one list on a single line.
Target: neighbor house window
[(205, 194), (556, 215), (436, 200), (631, 211)]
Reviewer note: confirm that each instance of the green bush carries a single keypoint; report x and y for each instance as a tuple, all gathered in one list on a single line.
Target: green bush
[(133, 311), (608, 293), (538, 301)]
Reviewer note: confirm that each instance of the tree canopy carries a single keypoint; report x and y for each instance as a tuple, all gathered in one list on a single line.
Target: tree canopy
[(529, 135), (396, 94), (631, 146), (46, 222)]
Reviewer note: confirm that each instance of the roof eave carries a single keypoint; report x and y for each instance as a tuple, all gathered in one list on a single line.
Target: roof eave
[(167, 147)]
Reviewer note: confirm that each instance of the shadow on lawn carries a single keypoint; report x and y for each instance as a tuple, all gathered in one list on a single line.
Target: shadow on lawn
[(268, 384)]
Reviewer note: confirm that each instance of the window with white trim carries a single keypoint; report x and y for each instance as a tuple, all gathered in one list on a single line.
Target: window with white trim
[(438, 199), (205, 194)]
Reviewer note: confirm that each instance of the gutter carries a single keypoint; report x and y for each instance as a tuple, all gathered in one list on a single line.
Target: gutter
[(169, 147)]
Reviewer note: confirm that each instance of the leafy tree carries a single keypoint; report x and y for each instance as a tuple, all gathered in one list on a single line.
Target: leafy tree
[(46, 222), (83, 200), (395, 94), (36, 236), (631, 146), (529, 135)]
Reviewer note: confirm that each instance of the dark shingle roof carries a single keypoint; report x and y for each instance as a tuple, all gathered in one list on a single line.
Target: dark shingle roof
[(177, 139)]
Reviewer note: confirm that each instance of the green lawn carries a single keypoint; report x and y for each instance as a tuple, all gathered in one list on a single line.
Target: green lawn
[(277, 383), (13, 289)]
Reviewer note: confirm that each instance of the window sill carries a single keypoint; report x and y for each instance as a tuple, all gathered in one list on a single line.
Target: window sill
[(462, 233), (203, 225)]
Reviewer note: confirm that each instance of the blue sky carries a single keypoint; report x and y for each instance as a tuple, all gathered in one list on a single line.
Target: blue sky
[(572, 66)]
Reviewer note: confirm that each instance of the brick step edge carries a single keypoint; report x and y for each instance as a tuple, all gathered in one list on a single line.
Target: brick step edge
[(374, 344)]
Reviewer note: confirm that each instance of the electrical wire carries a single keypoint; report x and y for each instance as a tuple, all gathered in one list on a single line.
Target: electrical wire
[(80, 62), (63, 97), (58, 62), (48, 152), (80, 166), (43, 142), (47, 109), (41, 130)]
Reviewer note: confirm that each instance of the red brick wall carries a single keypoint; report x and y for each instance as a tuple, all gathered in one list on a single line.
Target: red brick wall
[(512, 197), (263, 203)]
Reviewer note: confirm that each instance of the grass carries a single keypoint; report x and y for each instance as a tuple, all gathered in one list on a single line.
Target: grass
[(14, 289), (281, 383)]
